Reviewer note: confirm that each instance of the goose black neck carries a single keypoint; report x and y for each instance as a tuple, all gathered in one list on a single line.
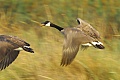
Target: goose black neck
[(56, 26)]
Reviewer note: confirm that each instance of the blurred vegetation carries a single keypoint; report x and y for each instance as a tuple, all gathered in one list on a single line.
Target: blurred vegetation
[(16, 19)]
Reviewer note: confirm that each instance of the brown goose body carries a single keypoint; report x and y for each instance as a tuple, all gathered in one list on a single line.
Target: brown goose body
[(10, 46), (74, 37)]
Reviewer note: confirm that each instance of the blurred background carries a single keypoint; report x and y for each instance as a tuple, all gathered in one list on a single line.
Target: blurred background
[(17, 16)]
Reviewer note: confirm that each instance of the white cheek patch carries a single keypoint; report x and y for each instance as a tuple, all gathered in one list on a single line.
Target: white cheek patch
[(48, 24)]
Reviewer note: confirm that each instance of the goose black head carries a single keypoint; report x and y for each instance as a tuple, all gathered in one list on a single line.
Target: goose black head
[(46, 23)]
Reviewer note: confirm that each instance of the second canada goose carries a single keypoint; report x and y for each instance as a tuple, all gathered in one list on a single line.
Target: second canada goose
[(10, 46), (74, 37)]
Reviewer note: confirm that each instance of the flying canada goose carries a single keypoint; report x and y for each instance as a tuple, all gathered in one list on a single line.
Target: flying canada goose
[(74, 37), (10, 46)]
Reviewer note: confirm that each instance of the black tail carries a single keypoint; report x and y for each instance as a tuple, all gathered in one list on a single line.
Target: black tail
[(28, 49), (98, 45)]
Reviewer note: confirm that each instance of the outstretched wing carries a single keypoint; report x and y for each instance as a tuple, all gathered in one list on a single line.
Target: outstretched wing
[(8, 59), (88, 29), (7, 54), (72, 41)]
